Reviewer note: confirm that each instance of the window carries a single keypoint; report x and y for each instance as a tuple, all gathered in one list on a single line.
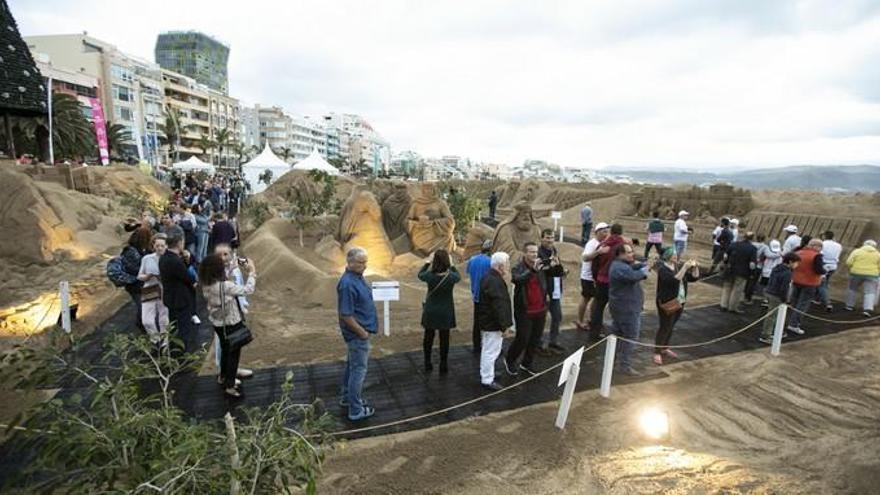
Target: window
[(121, 73), (122, 93), (123, 114)]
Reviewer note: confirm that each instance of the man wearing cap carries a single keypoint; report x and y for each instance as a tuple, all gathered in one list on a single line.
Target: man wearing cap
[(792, 240), (742, 258), (477, 268), (601, 266), (588, 283), (680, 233)]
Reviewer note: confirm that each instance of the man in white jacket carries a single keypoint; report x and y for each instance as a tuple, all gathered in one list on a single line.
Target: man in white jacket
[(792, 239), (831, 250)]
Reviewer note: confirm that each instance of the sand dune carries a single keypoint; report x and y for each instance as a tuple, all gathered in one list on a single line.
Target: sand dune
[(805, 422)]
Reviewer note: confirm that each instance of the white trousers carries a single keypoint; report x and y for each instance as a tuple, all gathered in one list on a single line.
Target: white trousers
[(154, 317), (489, 354)]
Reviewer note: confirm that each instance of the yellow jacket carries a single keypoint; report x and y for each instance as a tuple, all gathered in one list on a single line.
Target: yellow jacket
[(864, 261)]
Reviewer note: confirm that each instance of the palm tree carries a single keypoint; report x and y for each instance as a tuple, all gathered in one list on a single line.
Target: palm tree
[(117, 135), (205, 143), (171, 130), (221, 140), (73, 136), (285, 152)]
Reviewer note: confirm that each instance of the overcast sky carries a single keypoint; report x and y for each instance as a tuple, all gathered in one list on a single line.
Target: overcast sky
[(684, 83)]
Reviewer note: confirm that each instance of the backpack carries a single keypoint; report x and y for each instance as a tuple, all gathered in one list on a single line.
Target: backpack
[(116, 273)]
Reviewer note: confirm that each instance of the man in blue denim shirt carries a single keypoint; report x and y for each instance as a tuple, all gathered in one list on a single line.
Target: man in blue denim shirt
[(357, 320)]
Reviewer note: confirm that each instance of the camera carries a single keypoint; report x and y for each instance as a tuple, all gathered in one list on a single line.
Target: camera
[(242, 261)]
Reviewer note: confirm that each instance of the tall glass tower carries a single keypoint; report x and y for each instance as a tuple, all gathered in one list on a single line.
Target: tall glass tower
[(196, 55)]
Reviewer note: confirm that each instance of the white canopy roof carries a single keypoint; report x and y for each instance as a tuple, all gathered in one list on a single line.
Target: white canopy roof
[(266, 160), (193, 164), (316, 162)]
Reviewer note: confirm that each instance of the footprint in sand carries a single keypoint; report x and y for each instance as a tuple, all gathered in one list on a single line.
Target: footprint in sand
[(427, 465), (509, 428), (394, 465)]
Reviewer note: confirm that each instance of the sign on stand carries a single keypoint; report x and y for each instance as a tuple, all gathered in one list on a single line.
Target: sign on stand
[(386, 291), (568, 376), (556, 216)]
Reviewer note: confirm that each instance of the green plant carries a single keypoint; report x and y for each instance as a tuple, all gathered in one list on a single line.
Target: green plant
[(125, 435), (73, 135), (312, 199), (265, 177), (258, 211), (117, 135), (465, 209)]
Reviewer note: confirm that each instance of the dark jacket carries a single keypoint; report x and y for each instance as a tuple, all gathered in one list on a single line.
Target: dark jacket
[(551, 272), (438, 312), (741, 258), (178, 291), (493, 311), (131, 263), (780, 280), (668, 286), (222, 233), (520, 275)]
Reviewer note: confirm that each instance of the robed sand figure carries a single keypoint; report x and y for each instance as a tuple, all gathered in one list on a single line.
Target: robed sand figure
[(513, 233), (360, 224), (430, 224)]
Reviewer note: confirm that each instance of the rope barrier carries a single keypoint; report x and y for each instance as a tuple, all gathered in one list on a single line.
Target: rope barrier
[(708, 342), (836, 322), (458, 406), (37, 326)]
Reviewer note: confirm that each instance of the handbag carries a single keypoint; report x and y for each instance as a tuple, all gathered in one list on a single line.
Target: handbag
[(151, 293), (671, 306), (239, 335)]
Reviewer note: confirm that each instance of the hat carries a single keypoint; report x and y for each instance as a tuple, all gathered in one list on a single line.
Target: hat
[(775, 246), (599, 226), (683, 213), (487, 245), (791, 228), (734, 221)]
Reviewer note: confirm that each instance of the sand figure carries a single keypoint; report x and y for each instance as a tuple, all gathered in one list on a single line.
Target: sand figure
[(360, 224), (513, 233), (429, 223), (395, 210), (477, 234)]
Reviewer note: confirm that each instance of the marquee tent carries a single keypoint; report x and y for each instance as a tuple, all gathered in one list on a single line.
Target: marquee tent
[(316, 162), (193, 164), (266, 160)]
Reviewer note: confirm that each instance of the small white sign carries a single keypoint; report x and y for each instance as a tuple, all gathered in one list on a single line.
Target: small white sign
[(575, 358), (386, 291), (556, 215)]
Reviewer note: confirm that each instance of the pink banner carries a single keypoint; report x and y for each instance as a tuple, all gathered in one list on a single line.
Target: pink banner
[(100, 130)]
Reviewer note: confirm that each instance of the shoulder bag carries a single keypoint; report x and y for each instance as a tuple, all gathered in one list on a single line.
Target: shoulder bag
[(671, 306), (434, 289), (239, 335)]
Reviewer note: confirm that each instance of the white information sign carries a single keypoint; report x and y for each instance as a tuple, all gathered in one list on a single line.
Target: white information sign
[(386, 291), (556, 215)]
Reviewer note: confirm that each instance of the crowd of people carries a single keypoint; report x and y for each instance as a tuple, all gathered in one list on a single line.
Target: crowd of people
[(796, 271), (192, 246)]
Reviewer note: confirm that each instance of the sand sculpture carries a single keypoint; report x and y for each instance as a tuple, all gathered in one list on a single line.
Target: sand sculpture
[(429, 223), (395, 210), (360, 224), (513, 233), (476, 235), (717, 200)]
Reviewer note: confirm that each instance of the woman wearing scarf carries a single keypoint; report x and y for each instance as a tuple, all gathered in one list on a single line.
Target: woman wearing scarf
[(671, 294)]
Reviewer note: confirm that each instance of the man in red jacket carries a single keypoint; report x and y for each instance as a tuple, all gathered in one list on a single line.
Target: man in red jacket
[(805, 281), (601, 264)]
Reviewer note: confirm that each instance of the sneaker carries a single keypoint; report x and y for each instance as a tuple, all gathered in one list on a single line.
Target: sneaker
[(849, 308), (765, 340), (233, 392), (366, 413), (556, 347), (867, 314), (527, 370), (817, 303), (658, 359), (220, 381), (244, 373), (494, 386), (510, 370), (795, 330), (670, 353), (629, 370), (196, 320), (829, 308)]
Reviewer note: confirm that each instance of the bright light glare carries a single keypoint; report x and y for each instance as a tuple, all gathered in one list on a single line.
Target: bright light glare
[(654, 423)]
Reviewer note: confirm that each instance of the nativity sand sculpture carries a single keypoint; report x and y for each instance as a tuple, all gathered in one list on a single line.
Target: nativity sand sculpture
[(360, 224), (395, 210), (430, 224), (513, 233)]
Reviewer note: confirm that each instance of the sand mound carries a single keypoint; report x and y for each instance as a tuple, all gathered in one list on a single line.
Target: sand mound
[(284, 189), (119, 180), (284, 273), (45, 220)]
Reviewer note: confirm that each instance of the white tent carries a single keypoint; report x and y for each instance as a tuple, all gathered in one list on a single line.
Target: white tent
[(266, 160), (193, 164), (316, 162)]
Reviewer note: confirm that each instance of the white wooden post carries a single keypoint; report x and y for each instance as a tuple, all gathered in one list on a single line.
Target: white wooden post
[(608, 369), (64, 288), (561, 231), (386, 312), (555, 224), (779, 329), (567, 396)]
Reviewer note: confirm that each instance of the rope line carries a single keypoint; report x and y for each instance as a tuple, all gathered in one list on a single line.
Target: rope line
[(37, 326), (463, 404), (708, 342), (836, 322)]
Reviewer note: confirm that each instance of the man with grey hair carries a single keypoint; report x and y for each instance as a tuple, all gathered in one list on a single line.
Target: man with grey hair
[(494, 316), (357, 320)]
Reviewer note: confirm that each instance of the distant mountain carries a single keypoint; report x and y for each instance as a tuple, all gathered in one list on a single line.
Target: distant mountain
[(864, 178)]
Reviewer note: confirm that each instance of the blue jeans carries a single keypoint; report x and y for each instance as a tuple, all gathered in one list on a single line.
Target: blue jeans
[(680, 246), (555, 307), (630, 328), (801, 295), (585, 232), (355, 373), (201, 246), (823, 296)]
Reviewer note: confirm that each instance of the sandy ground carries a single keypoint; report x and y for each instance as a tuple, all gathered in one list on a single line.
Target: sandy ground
[(804, 422)]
